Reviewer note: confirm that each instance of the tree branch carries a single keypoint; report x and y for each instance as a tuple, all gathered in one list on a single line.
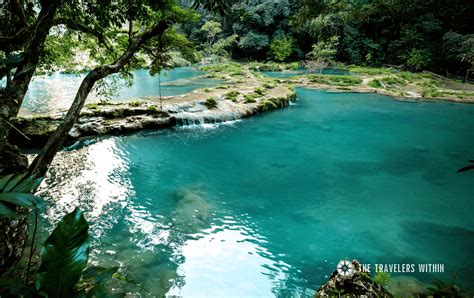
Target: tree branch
[(15, 42), (19, 10), (40, 164), (130, 31), (71, 24), (31, 55)]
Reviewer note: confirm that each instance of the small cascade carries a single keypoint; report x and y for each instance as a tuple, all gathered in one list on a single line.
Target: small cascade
[(188, 119), (207, 117)]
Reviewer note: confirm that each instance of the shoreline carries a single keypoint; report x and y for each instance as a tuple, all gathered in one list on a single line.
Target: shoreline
[(243, 93), (394, 97), (221, 104)]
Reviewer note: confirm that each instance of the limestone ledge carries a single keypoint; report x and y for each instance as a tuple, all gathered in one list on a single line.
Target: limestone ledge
[(112, 118)]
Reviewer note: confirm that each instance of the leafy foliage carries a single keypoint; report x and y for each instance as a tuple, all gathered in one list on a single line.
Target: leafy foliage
[(323, 54), (413, 34), (210, 103), (459, 47), (281, 47), (15, 191), (382, 278), (254, 40), (64, 256)]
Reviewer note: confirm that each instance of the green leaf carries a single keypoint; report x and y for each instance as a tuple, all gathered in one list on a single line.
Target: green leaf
[(13, 182), (5, 211), (64, 256), (22, 199), (28, 184), (4, 180)]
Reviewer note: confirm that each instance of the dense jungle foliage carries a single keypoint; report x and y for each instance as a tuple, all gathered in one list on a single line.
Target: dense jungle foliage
[(421, 34), (112, 37)]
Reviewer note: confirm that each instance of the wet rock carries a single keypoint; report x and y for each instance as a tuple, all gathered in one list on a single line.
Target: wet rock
[(192, 212), (38, 131), (358, 283), (101, 119), (407, 286), (11, 159)]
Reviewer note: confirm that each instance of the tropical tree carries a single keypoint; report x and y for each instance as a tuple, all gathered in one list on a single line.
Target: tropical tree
[(112, 31), (460, 48), (211, 29), (323, 54), (281, 47)]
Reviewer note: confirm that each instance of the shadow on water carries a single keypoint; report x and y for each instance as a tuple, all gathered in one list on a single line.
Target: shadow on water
[(439, 241), (401, 162)]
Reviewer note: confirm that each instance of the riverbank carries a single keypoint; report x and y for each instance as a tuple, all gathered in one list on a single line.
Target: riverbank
[(227, 102), (246, 91), (401, 85)]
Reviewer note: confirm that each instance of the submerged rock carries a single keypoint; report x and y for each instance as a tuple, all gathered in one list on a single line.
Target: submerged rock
[(407, 286), (356, 283), (192, 212)]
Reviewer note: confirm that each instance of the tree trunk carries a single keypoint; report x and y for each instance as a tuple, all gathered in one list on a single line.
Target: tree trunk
[(40, 164), (13, 233)]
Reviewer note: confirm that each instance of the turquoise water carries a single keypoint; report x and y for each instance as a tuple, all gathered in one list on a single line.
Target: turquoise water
[(301, 71), (48, 93), (268, 205)]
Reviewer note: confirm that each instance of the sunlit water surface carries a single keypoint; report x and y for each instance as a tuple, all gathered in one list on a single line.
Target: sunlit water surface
[(268, 205), (56, 91)]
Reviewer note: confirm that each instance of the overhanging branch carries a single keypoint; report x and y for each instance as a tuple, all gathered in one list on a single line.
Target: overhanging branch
[(71, 24), (40, 164)]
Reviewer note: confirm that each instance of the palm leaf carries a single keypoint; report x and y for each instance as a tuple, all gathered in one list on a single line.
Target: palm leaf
[(28, 184), (64, 256), (10, 186), (4, 180), (21, 199), (6, 211)]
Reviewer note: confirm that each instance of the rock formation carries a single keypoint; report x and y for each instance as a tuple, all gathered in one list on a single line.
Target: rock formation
[(357, 283)]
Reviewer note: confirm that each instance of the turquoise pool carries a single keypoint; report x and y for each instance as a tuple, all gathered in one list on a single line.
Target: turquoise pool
[(268, 205), (50, 92)]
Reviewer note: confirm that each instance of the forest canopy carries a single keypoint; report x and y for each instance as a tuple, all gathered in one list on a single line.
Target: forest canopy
[(417, 35)]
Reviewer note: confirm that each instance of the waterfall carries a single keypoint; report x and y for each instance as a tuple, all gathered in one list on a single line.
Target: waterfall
[(206, 117)]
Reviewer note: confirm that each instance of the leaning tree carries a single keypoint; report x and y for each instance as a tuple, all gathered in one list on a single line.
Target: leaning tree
[(113, 32)]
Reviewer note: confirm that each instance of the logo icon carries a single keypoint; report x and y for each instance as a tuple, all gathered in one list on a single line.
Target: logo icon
[(345, 268)]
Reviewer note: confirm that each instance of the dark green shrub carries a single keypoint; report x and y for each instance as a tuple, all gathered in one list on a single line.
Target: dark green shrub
[(210, 103), (232, 95), (134, 104), (375, 84), (260, 91), (250, 98)]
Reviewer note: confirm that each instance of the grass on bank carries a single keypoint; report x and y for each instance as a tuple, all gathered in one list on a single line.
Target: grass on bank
[(388, 80), (232, 95), (335, 80)]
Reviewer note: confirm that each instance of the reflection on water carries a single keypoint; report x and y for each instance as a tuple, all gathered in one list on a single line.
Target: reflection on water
[(181, 246), (269, 205), (92, 177), (56, 91)]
